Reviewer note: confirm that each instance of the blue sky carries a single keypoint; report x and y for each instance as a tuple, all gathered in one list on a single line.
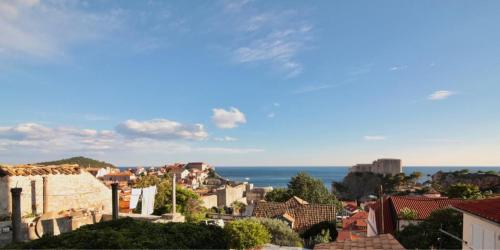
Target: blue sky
[(250, 82)]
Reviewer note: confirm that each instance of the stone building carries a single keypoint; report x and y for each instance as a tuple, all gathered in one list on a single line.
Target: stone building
[(61, 197), (231, 193), (380, 166), (257, 194)]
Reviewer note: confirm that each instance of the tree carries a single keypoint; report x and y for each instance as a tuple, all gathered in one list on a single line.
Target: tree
[(188, 202), (464, 191), (246, 233), (310, 189), (426, 235), (281, 233), (278, 195)]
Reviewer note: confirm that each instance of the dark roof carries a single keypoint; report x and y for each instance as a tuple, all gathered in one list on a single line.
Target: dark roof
[(304, 214), (488, 208), (26, 170), (383, 241), (424, 206)]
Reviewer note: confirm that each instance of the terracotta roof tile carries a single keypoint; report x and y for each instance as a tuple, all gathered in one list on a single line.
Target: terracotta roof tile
[(383, 241), (305, 214), (488, 208), (424, 206), (27, 170)]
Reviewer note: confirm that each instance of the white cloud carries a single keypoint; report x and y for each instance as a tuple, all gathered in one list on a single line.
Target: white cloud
[(271, 115), (228, 118), (36, 137), (235, 5), (374, 138), (278, 48), (225, 138), (398, 67), (276, 104), (440, 95), (31, 142), (161, 129)]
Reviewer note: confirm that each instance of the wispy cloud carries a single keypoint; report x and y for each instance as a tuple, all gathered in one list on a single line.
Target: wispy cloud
[(225, 138), (228, 118), (398, 67), (235, 5), (440, 95), (374, 138), (45, 29), (279, 48), (271, 115)]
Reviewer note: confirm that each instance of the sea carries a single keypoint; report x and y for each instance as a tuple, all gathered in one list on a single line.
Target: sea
[(280, 176)]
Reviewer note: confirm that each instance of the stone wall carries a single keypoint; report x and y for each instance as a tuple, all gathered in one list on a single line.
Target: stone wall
[(229, 194), (209, 201), (64, 191)]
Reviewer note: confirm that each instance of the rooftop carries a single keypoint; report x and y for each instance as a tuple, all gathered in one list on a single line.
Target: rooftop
[(424, 206), (27, 170), (383, 241), (304, 214), (488, 209)]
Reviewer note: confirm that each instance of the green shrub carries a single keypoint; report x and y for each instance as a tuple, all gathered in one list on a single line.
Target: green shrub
[(316, 229), (128, 233), (281, 233), (246, 233), (426, 235), (408, 213)]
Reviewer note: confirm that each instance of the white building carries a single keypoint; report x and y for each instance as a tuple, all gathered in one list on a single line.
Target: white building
[(481, 225)]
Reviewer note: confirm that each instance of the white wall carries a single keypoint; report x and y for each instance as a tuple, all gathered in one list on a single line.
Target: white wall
[(480, 233)]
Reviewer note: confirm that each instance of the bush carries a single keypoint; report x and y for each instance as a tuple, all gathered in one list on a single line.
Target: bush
[(426, 235), (408, 213), (281, 233), (316, 229), (246, 233), (128, 233)]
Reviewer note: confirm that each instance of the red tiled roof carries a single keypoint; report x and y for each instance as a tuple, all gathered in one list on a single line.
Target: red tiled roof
[(383, 241), (424, 206), (304, 214), (346, 235), (488, 208), (25, 170)]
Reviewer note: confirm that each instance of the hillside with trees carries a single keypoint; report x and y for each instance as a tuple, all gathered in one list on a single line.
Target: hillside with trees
[(84, 162)]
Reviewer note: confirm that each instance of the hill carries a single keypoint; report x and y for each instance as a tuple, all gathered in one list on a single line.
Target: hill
[(80, 160)]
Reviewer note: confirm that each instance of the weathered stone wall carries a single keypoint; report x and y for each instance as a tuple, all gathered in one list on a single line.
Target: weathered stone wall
[(65, 192), (209, 201), (229, 194)]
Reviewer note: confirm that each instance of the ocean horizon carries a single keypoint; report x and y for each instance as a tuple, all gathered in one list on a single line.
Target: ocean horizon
[(279, 176)]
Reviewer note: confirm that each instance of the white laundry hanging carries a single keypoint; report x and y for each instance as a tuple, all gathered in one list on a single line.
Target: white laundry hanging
[(134, 197), (148, 200)]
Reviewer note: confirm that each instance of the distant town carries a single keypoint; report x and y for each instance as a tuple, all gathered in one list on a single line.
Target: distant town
[(375, 206)]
